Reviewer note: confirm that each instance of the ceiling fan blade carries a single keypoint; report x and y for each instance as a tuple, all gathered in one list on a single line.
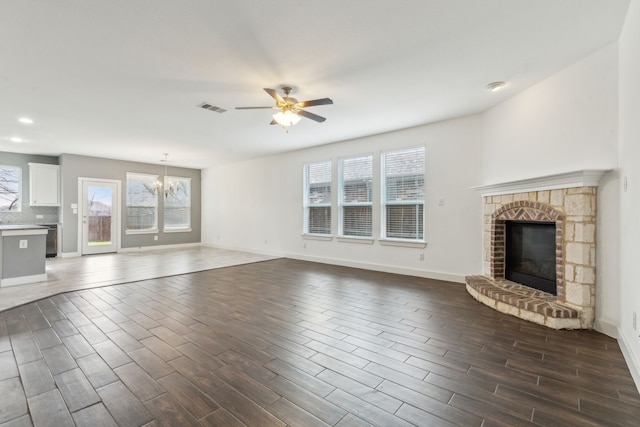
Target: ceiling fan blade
[(254, 108), (275, 95), (311, 116), (323, 101)]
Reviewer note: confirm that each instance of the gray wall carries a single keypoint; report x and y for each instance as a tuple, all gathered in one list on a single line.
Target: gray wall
[(18, 262), (74, 167), (29, 213)]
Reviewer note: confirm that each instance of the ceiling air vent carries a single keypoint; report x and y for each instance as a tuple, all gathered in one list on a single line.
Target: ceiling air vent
[(211, 108)]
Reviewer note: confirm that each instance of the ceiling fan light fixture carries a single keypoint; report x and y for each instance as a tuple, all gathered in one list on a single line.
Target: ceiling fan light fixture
[(290, 111), (286, 118)]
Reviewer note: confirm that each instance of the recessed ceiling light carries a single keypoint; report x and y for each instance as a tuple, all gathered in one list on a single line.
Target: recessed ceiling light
[(16, 139), (495, 86), (26, 120)]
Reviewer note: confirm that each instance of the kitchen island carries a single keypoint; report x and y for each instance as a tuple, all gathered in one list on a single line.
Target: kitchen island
[(22, 254)]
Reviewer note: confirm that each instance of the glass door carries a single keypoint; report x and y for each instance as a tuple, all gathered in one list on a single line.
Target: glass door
[(99, 217)]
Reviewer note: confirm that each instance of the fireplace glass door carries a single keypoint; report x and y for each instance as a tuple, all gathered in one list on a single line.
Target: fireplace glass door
[(531, 254)]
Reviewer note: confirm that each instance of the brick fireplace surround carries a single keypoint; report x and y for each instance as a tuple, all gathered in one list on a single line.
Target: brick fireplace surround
[(569, 201)]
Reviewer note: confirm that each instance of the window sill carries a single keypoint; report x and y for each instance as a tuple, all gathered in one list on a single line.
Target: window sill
[(326, 238), (154, 231), (177, 230), (403, 243), (352, 239)]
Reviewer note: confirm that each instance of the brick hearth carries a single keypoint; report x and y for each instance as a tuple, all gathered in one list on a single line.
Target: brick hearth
[(523, 302)]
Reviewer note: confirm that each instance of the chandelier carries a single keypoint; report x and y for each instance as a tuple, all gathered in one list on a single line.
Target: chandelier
[(170, 188)]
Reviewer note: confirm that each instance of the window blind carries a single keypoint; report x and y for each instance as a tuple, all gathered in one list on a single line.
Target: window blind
[(403, 174), (355, 183), (317, 198)]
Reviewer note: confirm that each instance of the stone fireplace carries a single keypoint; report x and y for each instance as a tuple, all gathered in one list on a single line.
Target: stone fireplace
[(569, 202)]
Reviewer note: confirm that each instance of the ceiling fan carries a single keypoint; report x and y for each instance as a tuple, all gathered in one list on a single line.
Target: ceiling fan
[(290, 109)]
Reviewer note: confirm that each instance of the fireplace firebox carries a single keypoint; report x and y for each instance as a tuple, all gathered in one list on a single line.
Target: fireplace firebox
[(530, 254)]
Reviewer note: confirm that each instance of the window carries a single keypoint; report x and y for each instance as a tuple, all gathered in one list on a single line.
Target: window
[(142, 203), (356, 175), (177, 204), (403, 194), (10, 186), (317, 198)]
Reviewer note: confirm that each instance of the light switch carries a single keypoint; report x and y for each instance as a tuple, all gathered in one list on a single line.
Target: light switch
[(23, 244)]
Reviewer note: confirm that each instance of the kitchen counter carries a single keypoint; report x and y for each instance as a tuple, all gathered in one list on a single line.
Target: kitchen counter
[(13, 227), (22, 254)]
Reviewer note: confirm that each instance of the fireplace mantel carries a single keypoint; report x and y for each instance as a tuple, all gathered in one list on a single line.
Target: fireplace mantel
[(581, 178)]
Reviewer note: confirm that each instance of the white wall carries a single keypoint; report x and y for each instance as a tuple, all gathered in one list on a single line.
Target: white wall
[(257, 205), (564, 123), (567, 122), (630, 199)]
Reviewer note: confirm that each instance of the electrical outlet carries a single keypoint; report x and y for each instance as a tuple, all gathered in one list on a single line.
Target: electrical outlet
[(39, 216), (421, 257), (23, 244), (155, 237)]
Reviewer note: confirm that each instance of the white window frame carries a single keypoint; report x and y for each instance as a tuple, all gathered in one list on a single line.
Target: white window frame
[(384, 203), (18, 192), (344, 163), (308, 205), (176, 181), (153, 180)]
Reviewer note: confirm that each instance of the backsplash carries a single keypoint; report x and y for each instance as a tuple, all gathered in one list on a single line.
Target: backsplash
[(29, 214)]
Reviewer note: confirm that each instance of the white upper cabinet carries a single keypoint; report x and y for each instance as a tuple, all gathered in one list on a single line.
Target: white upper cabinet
[(44, 184)]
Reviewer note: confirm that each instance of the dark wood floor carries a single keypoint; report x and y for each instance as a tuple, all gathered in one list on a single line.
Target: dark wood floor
[(288, 342)]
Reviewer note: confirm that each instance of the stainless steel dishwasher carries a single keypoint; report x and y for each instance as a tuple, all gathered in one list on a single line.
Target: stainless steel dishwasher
[(52, 240)]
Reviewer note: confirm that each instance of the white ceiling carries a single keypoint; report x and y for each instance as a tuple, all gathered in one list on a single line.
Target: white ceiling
[(123, 78)]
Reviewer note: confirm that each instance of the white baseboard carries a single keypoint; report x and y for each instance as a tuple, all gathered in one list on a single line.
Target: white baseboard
[(69, 254), (406, 271), (606, 327), (23, 280), (250, 250), (159, 247), (138, 249), (354, 264), (436, 275), (633, 362)]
